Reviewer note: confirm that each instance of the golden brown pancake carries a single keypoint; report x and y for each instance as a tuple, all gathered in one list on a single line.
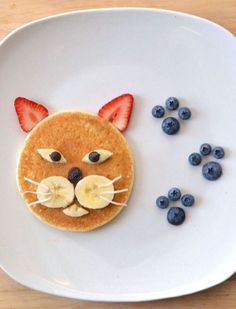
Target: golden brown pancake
[(75, 134)]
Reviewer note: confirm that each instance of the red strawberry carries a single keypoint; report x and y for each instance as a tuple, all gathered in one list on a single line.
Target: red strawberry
[(29, 113), (118, 111)]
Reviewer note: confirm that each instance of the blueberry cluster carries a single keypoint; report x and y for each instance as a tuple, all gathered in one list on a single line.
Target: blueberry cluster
[(211, 170), (171, 125), (175, 215)]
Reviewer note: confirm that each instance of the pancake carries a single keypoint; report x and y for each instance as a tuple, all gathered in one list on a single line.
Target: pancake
[(75, 134)]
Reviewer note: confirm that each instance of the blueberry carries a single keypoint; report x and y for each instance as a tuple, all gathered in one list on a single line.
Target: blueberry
[(174, 194), (187, 200), (172, 103), (205, 149), (170, 125), (94, 156), (195, 159), (218, 152), (162, 202), (176, 215), (74, 175), (211, 170), (184, 113), (55, 156), (158, 111)]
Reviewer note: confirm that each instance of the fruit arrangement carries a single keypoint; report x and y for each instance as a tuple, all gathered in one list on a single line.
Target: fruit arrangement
[(211, 170), (56, 191), (78, 176), (175, 215), (171, 125)]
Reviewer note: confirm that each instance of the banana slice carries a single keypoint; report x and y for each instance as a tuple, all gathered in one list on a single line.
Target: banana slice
[(89, 191), (75, 211), (62, 192)]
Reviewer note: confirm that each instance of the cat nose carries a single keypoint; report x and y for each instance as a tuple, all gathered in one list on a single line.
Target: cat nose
[(74, 175)]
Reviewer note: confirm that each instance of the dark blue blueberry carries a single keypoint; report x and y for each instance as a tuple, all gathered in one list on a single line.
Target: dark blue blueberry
[(218, 152), (184, 113), (211, 170), (94, 156), (195, 159), (74, 175), (170, 125), (55, 156), (187, 200), (174, 194), (176, 215), (172, 103), (162, 202), (205, 149), (158, 111)]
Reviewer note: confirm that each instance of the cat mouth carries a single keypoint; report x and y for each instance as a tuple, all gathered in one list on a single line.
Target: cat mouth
[(91, 192)]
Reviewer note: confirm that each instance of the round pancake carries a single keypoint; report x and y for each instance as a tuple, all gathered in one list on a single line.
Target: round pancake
[(75, 134)]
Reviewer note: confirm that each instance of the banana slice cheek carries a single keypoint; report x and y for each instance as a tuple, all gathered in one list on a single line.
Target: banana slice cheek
[(94, 192), (62, 192)]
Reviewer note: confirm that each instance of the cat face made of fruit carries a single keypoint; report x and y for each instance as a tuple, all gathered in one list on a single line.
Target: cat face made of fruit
[(75, 171)]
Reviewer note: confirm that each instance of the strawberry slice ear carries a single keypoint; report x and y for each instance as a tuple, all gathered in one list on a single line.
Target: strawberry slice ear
[(118, 111), (29, 113)]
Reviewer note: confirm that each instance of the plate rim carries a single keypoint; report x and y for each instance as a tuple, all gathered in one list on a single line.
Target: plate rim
[(85, 11), (118, 297), (115, 298)]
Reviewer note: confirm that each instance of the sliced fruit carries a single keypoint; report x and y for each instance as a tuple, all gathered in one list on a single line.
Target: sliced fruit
[(75, 211), (94, 191), (29, 113), (102, 155), (118, 111), (62, 192), (51, 155)]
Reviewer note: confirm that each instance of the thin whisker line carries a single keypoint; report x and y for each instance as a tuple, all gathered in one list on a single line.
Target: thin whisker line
[(110, 182), (39, 202), (34, 192), (36, 183), (112, 202), (116, 191)]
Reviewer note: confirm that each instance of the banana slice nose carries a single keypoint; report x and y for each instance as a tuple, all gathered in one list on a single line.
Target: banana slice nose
[(90, 190), (59, 192)]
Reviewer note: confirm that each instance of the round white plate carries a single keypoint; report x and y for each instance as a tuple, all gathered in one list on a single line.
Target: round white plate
[(81, 60)]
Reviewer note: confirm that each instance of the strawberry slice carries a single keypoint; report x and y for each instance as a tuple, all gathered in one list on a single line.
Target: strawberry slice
[(29, 113), (118, 111)]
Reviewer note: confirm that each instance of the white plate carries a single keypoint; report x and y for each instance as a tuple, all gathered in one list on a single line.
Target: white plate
[(81, 60)]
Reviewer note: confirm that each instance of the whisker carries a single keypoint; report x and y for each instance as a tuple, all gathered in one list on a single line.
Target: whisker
[(36, 183), (112, 202), (110, 182), (114, 192), (39, 202), (34, 192)]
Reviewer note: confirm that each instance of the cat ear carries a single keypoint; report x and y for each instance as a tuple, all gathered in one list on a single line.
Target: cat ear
[(118, 111), (29, 113)]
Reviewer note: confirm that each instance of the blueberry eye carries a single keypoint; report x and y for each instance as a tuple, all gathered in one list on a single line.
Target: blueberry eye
[(97, 156), (51, 155), (55, 156), (94, 156)]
